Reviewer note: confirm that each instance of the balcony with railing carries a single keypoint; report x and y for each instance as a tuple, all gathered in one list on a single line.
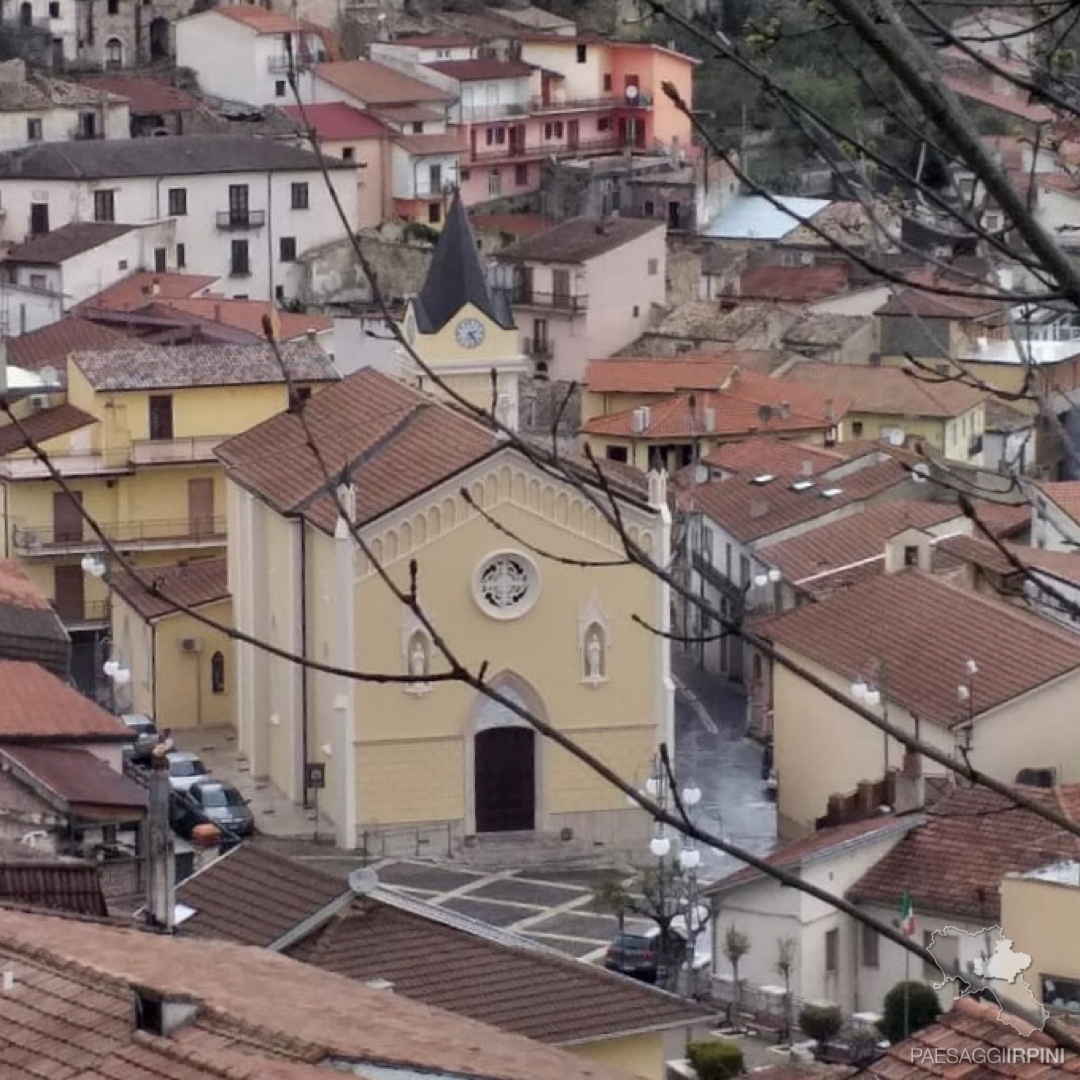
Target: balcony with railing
[(539, 349), (239, 220), (517, 151), (172, 451), (547, 301), (280, 64), (75, 611), (538, 105), (160, 534), (488, 110)]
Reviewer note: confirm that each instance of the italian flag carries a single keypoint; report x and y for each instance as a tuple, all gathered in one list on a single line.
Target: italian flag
[(907, 916)]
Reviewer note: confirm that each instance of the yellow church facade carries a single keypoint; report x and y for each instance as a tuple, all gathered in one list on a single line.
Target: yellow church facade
[(497, 573)]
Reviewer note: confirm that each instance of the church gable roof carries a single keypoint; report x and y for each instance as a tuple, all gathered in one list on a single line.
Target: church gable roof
[(456, 278)]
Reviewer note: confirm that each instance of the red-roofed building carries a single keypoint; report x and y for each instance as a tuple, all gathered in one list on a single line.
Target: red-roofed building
[(792, 284), (155, 106)]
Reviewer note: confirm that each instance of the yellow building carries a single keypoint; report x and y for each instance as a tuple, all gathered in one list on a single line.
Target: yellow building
[(463, 329), (182, 671), (134, 437), (902, 406), (1039, 910), (559, 638)]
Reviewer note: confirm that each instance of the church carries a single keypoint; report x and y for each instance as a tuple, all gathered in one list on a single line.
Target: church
[(434, 765)]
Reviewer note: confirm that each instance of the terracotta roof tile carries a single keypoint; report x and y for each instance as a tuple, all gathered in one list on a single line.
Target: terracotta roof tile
[(929, 305), (822, 844), (66, 242), (764, 454), (931, 631), (256, 897), (577, 240), (17, 590), (253, 896), (793, 283), (376, 84), (51, 344), (448, 142), (751, 511), (201, 581), (1021, 107), (37, 705), (473, 70), (257, 1013), (42, 426), (337, 120), (144, 288), (166, 367), (43, 880), (853, 539), (953, 863), (77, 777), (248, 315), (1065, 495), (886, 390), (658, 376), (399, 440), (145, 96)]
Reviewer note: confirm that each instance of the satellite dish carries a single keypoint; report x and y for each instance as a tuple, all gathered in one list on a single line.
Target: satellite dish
[(363, 882), (896, 437), (49, 376), (632, 93), (764, 413)]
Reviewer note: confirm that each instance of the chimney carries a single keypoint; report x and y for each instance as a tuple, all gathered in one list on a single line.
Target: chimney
[(909, 786), (155, 287), (161, 861), (806, 468), (758, 509), (830, 410), (785, 410), (312, 335), (864, 797)]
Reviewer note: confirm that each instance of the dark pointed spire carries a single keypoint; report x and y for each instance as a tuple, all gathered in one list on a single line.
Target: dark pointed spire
[(456, 278)]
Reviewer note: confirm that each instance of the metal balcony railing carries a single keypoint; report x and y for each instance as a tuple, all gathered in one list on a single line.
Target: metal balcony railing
[(161, 533), (167, 451), (549, 301), (539, 350), (77, 611), (538, 105), (282, 64), (238, 220), (492, 111), (566, 147)]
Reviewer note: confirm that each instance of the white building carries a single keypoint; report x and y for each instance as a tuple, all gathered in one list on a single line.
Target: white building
[(584, 289), (243, 208), (79, 260), (243, 52), (36, 109), (1055, 522)]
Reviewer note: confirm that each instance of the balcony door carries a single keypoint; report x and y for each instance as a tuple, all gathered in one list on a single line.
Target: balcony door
[(68, 598), (238, 204), (201, 507), (67, 518), (573, 134), (517, 140), (560, 288)]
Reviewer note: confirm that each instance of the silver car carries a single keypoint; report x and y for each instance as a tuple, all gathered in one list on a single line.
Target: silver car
[(185, 769)]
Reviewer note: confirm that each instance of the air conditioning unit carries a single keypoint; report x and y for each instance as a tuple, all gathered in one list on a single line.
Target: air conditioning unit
[(640, 420), (29, 539), (39, 402), (191, 645)]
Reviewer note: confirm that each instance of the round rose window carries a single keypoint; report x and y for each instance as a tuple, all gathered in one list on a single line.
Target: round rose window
[(506, 585)]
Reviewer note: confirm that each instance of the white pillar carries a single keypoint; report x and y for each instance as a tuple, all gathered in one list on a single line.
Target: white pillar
[(664, 703), (347, 812)]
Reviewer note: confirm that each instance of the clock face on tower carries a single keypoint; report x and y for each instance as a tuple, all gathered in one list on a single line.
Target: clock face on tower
[(470, 333)]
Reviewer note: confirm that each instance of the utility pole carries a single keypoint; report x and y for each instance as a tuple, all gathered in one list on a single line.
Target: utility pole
[(160, 860)]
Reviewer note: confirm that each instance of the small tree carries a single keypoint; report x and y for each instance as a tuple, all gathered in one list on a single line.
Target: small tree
[(821, 1023), (736, 945), (908, 1007), (785, 965), (715, 1059)]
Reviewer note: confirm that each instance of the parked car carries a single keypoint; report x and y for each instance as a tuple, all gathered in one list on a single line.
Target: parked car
[(185, 769), (223, 805), (637, 953), (145, 737)]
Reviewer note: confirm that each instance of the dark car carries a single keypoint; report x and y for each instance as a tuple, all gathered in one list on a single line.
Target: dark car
[(637, 954), (144, 734), (223, 805)]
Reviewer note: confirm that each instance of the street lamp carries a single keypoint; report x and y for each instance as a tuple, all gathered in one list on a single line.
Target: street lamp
[(965, 695)]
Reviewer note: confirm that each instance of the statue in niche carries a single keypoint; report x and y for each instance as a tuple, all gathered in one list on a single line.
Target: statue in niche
[(595, 660), (418, 657)]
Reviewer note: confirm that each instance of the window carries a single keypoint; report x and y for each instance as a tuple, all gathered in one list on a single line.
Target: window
[(650, 208), (607, 82), (494, 182), (161, 260), (465, 174), (521, 175), (161, 416), (88, 127), (287, 248), (911, 555), (181, 256), (300, 196), (217, 673), (54, 9), (348, 153), (33, 131), (239, 266), (856, 429), (177, 202), (435, 178), (114, 50), (506, 585), (832, 952), (418, 127), (654, 267), (434, 213), (104, 205), (582, 53), (553, 130), (114, 7), (744, 569), (279, 292), (603, 124), (869, 947), (618, 453), (37, 281), (279, 88), (637, 311)]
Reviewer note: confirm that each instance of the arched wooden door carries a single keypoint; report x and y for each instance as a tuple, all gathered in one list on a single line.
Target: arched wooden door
[(504, 762)]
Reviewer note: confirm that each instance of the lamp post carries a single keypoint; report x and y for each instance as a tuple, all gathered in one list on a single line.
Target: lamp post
[(965, 695), (117, 673), (685, 899), (869, 690)]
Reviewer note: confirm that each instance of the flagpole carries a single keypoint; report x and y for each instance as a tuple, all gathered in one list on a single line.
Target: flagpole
[(907, 987)]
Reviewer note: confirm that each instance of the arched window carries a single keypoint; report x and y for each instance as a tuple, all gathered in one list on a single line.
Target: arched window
[(114, 54), (217, 673), (26, 14)]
